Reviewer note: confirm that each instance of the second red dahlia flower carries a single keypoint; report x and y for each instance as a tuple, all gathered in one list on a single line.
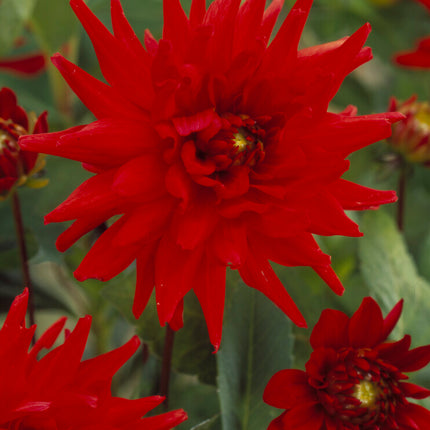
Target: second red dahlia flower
[(61, 392), (354, 379), (216, 148)]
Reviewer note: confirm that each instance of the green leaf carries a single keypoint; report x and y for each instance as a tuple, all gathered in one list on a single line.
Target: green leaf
[(54, 22), (257, 342), (13, 15), (391, 274)]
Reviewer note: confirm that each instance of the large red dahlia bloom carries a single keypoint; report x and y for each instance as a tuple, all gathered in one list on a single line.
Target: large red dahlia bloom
[(58, 391), (420, 57), (354, 379), (16, 165), (217, 149)]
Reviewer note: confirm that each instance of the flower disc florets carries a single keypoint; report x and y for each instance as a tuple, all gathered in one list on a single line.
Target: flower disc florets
[(216, 150), (355, 379)]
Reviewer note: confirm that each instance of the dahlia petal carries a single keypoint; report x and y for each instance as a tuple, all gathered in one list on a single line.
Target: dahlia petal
[(177, 321), (96, 192), (327, 217), (391, 320), (328, 275), (80, 227), (257, 273), (419, 415), (33, 407), (197, 12), (64, 361), (145, 279), (189, 124), (248, 19), (123, 31), (17, 311), (48, 338), (305, 417), (122, 69), (105, 260), (146, 223), (193, 164), (199, 218), (277, 423), (176, 25), (269, 19), (101, 99), (105, 366), (179, 184), (331, 330), (41, 125), (419, 58), (210, 291), (356, 197), (414, 359), (288, 388), (164, 421), (366, 325), (175, 273), (394, 351), (298, 250), (222, 15), (141, 177), (282, 52), (414, 391), (123, 411)]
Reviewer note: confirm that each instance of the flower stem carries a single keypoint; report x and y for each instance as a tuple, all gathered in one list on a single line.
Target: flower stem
[(401, 190), (167, 364), (19, 228)]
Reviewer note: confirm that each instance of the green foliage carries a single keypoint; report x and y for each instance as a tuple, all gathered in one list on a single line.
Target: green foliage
[(257, 342)]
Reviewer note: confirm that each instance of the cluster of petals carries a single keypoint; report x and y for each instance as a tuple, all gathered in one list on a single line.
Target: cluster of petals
[(17, 165), (420, 57), (355, 379), (217, 149), (61, 392), (411, 135)]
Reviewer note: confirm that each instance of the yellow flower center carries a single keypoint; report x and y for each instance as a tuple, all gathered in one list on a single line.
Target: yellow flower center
[(367, 392)]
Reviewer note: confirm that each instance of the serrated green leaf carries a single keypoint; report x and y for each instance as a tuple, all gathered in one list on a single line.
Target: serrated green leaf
[(391, 274), (13, 15), (257, 342)]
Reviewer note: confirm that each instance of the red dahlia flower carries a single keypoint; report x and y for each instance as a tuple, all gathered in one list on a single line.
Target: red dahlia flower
[(354, 378), (59, 392), (419, 58), (217, 149), (17, 165)]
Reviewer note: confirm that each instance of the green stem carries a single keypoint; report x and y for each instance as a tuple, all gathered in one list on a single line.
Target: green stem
[(19, 228)]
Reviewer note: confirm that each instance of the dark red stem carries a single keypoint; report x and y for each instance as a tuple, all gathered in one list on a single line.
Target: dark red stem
[(166, 364), (19, 228)]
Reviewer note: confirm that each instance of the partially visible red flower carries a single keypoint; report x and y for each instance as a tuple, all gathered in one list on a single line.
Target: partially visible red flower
[(411, 135), (419, 58), (216, 148), (17, 165), (25, 64), (61, 392), (354, 379)]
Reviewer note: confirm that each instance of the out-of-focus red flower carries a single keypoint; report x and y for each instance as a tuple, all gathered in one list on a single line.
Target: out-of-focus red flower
[(411, 135), (419, 58), (59, 391), (25, 64), (354, 379), (217, 149), (16, 165)]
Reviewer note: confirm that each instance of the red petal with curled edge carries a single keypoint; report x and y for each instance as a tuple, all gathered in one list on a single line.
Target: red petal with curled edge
[(356, 197), (391, 320), (414, 359), (414, 391), (257, 273), (105, 260), (17, 311), (331, 330), (288, 388), (366, 325), (210, 291), (48, 338)]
